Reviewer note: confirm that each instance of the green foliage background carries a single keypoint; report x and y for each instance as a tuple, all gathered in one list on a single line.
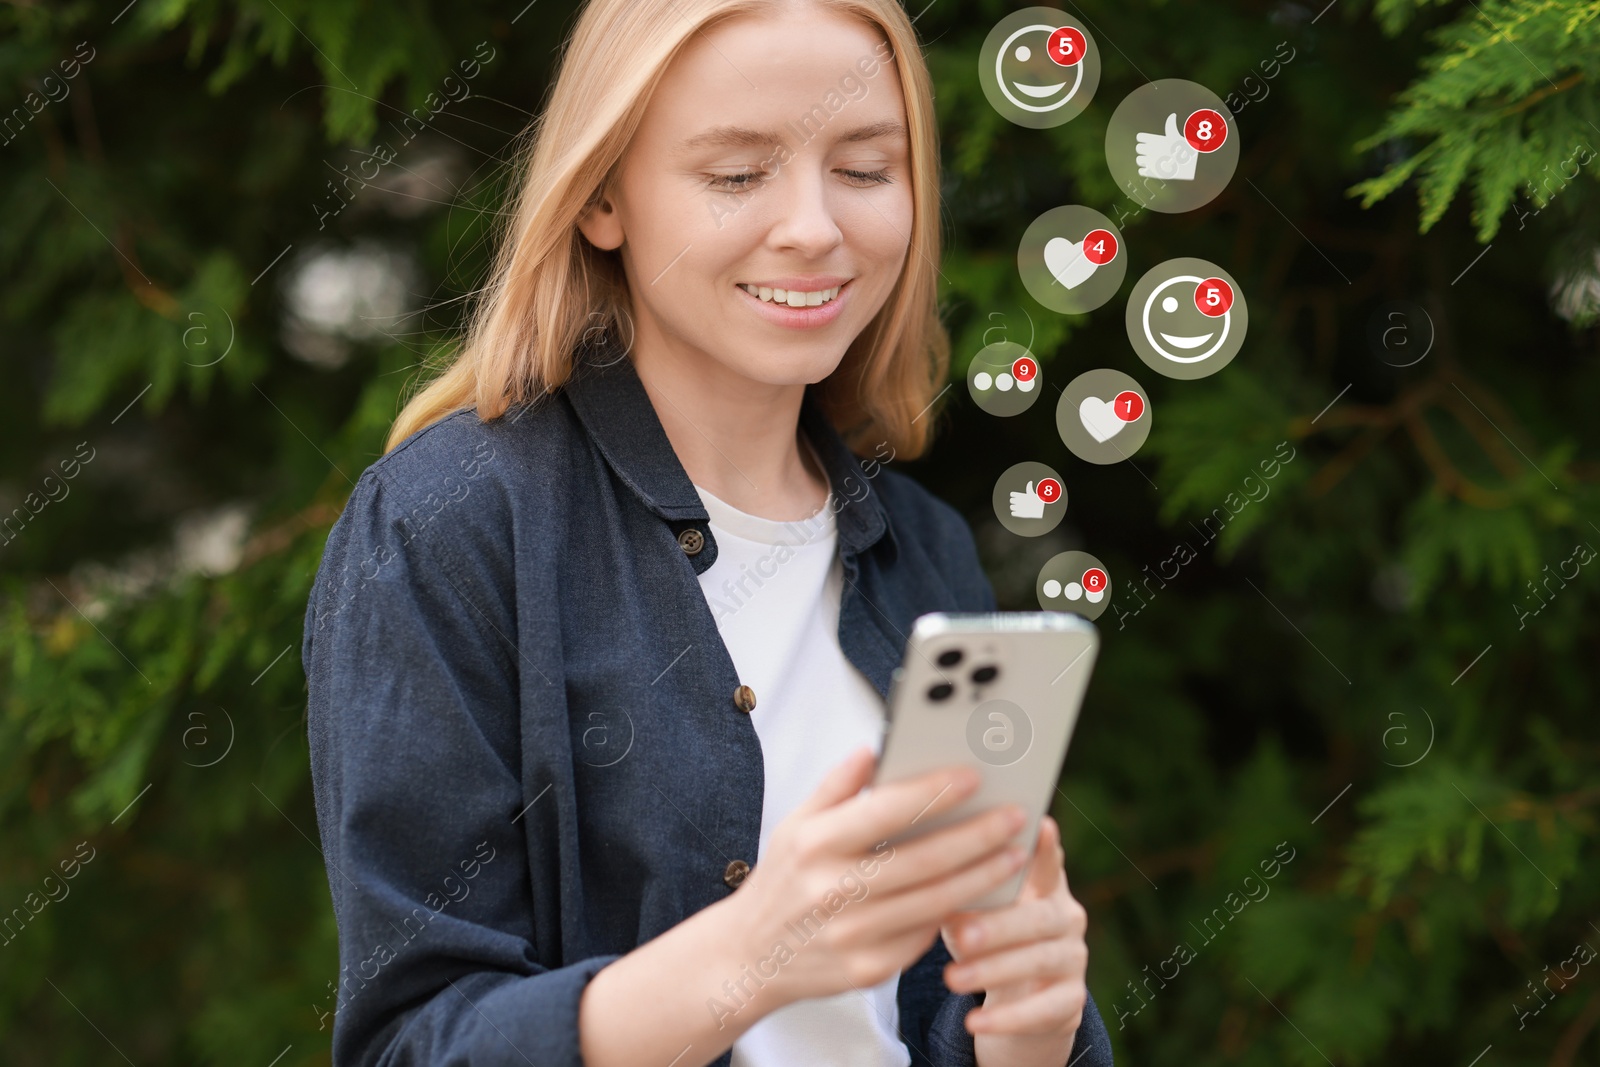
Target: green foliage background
[(1358, 619)]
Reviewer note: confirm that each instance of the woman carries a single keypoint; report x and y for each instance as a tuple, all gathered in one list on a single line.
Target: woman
[(598, 650)]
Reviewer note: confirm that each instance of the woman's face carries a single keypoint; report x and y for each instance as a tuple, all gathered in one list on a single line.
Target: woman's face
[(773, 155)]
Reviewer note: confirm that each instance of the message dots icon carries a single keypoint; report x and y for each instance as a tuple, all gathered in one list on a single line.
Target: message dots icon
[(1075, 582), (1003, 379)]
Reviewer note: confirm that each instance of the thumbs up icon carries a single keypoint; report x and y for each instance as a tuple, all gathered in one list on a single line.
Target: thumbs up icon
[(1166, 155), (1027, 504)]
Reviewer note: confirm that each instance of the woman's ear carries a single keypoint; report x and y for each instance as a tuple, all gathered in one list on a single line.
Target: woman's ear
[(601, 223)]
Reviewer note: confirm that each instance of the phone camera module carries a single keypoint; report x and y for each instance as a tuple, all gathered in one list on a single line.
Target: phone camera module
[(950, 657), (985, 674), (941, 690)]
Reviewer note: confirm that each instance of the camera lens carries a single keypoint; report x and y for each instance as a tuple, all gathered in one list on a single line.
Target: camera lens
[(940, 691), (950, 657), (985, 674)]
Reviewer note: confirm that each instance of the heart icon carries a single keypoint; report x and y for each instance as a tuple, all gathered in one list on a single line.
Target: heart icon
[(1099, 418), (1067, 263)]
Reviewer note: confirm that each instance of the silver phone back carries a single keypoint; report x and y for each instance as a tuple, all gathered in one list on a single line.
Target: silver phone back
[(1014, 727)]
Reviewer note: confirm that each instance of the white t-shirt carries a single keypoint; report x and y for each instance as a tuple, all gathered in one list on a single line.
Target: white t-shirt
[(774, 591)]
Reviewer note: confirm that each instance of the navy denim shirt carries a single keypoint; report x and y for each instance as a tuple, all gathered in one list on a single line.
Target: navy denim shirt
[(526, 755)]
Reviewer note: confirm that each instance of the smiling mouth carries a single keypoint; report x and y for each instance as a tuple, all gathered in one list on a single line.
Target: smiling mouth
[(1186, 342), (793, 297), (1039, 92)]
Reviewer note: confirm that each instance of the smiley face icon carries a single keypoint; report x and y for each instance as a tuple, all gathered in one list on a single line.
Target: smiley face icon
[(1028, 77), (1039, 67), (1187, 318), (1173, 313)]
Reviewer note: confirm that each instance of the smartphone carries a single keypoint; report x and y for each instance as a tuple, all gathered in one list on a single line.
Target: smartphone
[(999, 692)]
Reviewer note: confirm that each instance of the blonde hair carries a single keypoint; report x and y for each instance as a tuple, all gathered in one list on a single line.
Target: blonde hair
[(549, 288)]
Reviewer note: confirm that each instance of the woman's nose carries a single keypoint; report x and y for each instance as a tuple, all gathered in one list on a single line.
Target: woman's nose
[(807, 208)]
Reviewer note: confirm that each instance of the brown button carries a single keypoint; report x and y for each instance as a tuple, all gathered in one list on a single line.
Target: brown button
[(744, 698), (691, 541), (735, 872)]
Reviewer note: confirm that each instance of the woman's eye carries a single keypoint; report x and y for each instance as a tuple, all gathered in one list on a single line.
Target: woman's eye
[(745, 179), (871, 177)]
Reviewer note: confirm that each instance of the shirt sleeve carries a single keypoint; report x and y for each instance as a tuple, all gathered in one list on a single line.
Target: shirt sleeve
[(414, 728)]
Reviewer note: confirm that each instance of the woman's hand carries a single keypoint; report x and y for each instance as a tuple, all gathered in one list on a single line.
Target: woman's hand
[(1030, 958), (832, 906)]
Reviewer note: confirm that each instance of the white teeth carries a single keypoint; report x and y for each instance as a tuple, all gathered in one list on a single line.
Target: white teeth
[(794, 298)]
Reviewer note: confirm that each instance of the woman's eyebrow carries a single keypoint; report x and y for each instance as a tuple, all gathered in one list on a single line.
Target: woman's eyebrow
[(872, 131), (745, 137)]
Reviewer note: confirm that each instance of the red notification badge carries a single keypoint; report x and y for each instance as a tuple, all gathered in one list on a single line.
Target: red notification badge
[(1067, 46), (1213, 297), (1206, 131), (1099, 247)]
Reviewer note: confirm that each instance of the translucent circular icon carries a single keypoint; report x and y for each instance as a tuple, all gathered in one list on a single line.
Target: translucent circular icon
[(1187, 318), (1071, 259), (999, 732), (1075, 582), (1039, 67), (1004, 378), (1172, 145), (1103, 416), (1030, 499)]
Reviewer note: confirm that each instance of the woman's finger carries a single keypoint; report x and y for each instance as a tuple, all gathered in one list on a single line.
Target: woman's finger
[(1057, 1008), (979, 932), (931, 901), (944, 851), (1044, 872), (1049, 958), (884, 812)]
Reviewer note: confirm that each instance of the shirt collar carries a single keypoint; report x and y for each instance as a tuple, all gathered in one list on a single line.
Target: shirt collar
[(617, 414)]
